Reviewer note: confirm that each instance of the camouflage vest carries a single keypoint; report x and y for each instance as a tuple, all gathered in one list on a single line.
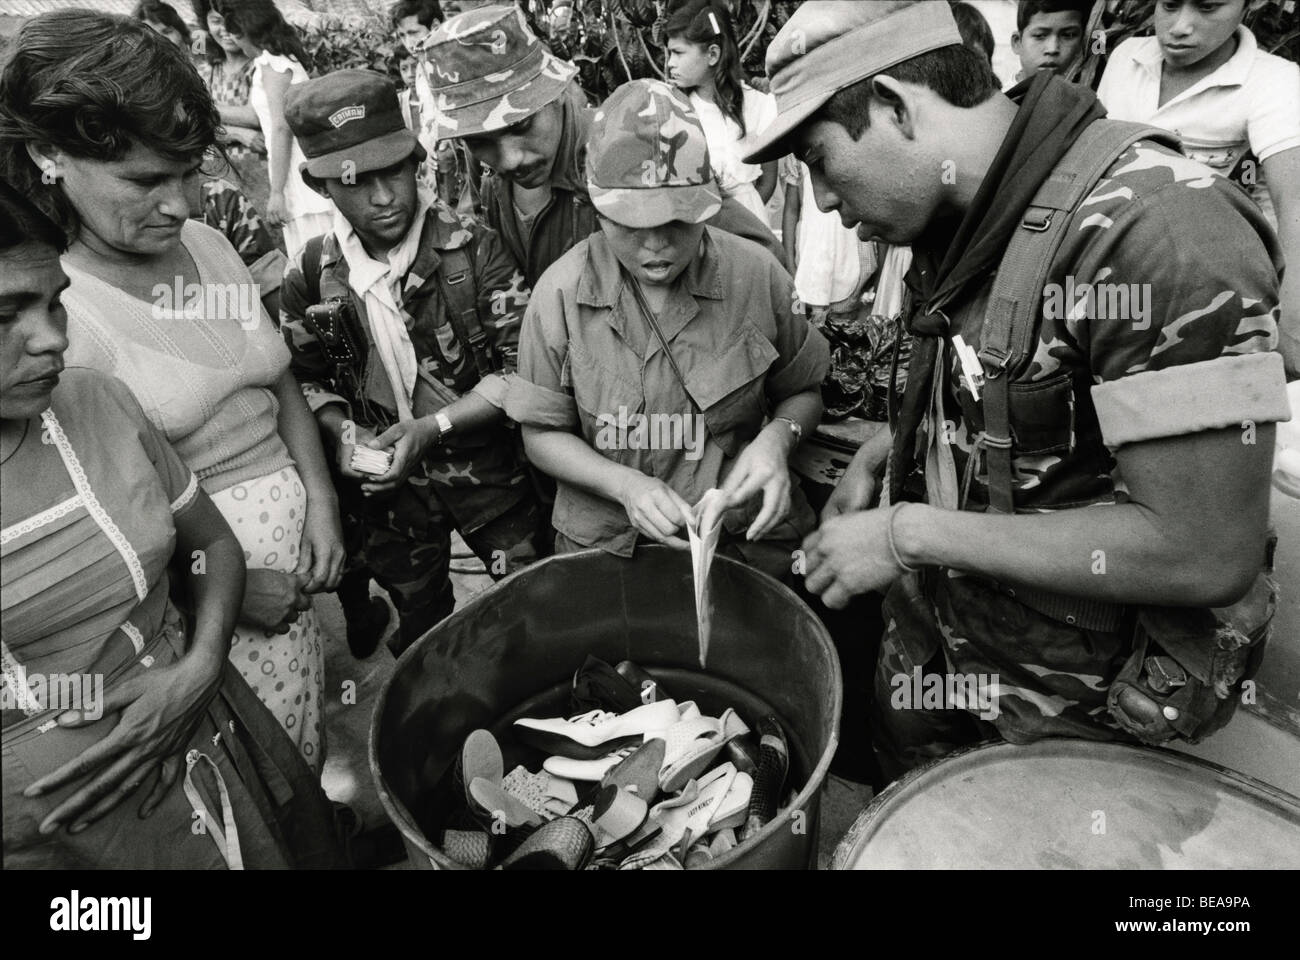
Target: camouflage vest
[(440, 294)]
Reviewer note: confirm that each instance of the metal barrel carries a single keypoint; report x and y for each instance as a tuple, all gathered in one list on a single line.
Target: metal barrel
[(529, 633), (1073, 804)]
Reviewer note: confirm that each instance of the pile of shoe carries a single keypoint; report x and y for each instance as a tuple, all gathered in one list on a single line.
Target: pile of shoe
[(634, 781)]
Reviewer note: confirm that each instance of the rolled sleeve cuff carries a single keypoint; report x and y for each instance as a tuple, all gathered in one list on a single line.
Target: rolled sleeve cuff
[(1191, 398), (317, 397), (536, 406), (494, 387), (804, 372)]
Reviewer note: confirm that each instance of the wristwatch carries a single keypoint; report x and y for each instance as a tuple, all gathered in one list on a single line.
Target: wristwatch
[(794, 428), (444, 425)]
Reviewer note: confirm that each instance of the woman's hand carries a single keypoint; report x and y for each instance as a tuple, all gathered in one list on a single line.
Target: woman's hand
[(410, 440), (273, 600), (159, 712), (762, 466), (654, 508), (321, 553), (277, 211)]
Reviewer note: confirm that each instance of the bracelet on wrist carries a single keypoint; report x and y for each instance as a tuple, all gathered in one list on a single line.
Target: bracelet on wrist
[(893, 547)]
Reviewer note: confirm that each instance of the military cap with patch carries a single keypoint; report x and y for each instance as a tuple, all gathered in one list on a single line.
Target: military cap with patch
[(648, 160), (487, 71), (827, 46), (348, 121)]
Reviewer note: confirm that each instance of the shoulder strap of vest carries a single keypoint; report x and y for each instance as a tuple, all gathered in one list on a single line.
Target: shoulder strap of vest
[(459, 285), (1014, 307), (311, 254)]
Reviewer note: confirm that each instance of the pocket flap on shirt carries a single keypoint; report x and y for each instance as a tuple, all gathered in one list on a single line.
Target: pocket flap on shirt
[(598, 390), (736, 365)]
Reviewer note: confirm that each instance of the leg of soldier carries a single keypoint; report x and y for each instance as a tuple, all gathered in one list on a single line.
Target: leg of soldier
[(517, 538), (907, 733), (366, 616), (408, 549), (912, 721)]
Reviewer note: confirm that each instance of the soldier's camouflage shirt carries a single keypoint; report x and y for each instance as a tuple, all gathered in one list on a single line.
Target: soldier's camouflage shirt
[(227, 210), (484, 469), (1194, 350)]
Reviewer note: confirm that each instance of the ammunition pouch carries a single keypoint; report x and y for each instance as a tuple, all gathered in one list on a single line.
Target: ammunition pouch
[(1184, 677)]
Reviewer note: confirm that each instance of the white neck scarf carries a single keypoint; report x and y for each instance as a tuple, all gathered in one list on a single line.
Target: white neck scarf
[(379, 285)]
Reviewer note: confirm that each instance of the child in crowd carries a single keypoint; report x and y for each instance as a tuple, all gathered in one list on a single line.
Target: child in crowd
[(703, 60), (1049, 35), (279, 61), (1235, 107)]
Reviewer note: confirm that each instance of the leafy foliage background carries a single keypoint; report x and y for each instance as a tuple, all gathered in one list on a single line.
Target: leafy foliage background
[(612, 40)]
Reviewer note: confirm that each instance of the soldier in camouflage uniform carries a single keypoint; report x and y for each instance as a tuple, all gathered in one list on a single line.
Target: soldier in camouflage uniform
[(1140, 438), (402, 358), (522, 113)]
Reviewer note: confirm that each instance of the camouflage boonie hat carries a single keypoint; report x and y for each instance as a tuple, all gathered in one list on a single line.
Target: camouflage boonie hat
[(487, 70), (647, 159)]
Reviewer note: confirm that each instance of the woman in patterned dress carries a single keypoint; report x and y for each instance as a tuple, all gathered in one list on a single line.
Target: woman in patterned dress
[(165, 304), (123, 724)]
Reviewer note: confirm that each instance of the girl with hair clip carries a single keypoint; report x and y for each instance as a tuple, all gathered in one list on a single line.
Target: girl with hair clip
[(279, 61), (704, 61)]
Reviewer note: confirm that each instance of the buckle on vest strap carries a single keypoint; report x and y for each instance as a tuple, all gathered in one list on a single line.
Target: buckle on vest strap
[(1037, 219)]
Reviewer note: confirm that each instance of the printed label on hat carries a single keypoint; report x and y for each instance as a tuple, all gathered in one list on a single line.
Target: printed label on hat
[(354, 112)]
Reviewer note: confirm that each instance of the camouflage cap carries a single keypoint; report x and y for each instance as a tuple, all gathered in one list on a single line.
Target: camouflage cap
[(487, 70), (648, 160), (827, 46)]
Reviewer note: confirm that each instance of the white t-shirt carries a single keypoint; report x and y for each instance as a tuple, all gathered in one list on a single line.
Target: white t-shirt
[(1251, 102), (726, 146), (829, 266), (299, 198)]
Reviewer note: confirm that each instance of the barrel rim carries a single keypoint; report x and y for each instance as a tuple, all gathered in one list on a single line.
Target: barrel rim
[(866, 823), (804, 799)]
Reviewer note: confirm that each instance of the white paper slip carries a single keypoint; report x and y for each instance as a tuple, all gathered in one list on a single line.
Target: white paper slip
[(703, 527), (368, 460)]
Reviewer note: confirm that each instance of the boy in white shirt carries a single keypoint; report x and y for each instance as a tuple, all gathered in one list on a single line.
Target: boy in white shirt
[(1236, 109)]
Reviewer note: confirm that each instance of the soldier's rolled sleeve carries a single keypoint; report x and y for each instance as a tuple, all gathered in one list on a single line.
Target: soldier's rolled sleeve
[(805, 354), (536, 396), (1200, 355), (307, 360)]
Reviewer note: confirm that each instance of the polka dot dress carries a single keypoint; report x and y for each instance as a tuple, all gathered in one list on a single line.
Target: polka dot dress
[(287, 671)]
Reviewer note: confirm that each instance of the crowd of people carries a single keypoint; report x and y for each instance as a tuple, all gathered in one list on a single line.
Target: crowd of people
[(470, 305)]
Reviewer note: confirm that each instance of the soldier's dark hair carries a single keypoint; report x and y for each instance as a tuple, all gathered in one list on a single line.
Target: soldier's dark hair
[(956, 73), (1026, 10), (93, 85), (974, 29), (426, 12), (708, 23), (21, 223)]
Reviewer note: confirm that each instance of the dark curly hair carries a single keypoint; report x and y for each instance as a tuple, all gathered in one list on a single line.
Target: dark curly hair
[(22, 223), (93, 85), (262, 22)]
